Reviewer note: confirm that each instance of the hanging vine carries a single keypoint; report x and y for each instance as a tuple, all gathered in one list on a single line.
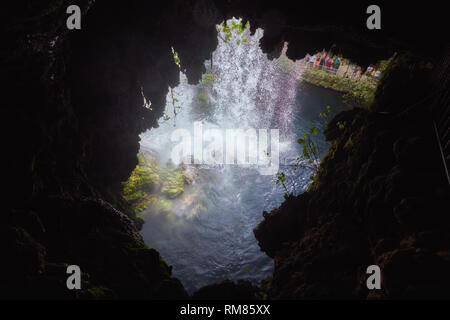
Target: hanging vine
[(175, 102)]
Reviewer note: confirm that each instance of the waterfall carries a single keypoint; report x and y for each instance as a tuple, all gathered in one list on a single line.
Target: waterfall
[(207, 236)]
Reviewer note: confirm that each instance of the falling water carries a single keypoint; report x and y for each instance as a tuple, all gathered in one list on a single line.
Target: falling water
[(208, 235)]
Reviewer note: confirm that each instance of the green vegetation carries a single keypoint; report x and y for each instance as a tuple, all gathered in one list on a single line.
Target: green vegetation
[(341, 125), (384, 64), (309, 147), (152, 186), (202, 97), (202, 100), (142, 177), (99, 292), (343, 142), (265, 286), (172, 181), (286, 65), (309, 157), (175, 104), (234, 29), (205, 89), (349, 144), (176, 58), (174, 100), (281, 179), (208, 78), (160, 204), (136, 189), (356, 92)]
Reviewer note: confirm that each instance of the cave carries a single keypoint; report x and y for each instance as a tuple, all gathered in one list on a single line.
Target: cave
[(194, 150)]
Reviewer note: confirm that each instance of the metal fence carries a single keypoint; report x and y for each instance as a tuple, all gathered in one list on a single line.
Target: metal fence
[(441, 110), (312, 65), (349, 73)]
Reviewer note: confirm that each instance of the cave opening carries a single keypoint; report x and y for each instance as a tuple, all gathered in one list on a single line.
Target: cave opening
[(378, 198), (200, 215)]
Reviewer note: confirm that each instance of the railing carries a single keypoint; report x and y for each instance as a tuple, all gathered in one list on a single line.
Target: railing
[(343, 71), (441, 111), (312, 65)]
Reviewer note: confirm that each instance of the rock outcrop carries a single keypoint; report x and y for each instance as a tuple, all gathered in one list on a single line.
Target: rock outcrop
[(380, 198), (91, 234)]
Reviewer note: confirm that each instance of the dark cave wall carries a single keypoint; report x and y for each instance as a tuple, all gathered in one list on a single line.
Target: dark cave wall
[(74, 115), (441, 105), (73, 112), (380, 197), (113, 59), (86, 106)]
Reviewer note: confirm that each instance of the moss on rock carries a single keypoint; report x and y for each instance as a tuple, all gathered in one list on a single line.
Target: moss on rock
[(153, 186), (173, 184), (208, 78)]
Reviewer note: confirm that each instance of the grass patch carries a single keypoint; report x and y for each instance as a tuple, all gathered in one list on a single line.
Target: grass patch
[(356, 92)]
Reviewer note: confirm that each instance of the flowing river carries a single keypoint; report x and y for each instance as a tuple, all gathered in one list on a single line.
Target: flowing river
[(208, 235)]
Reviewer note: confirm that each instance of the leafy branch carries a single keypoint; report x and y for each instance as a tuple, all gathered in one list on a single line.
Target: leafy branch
[(176, 58), (309, 157), (174, 101), (236, 28), (281, 179)]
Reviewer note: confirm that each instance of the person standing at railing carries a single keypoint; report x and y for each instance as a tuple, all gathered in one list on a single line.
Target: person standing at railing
[(373, 73), (322, 62), (377, 74), (334, 62), (354, 70), (316, 63), (312, 60), (306, 60), (329, 62), (337, 63)]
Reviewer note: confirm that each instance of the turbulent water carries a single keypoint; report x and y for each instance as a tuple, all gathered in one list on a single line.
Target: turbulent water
[(208, 236)]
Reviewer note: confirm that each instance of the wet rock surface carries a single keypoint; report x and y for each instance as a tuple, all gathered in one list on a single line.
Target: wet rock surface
[(369, 205), (229, 290), (91, 234)]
